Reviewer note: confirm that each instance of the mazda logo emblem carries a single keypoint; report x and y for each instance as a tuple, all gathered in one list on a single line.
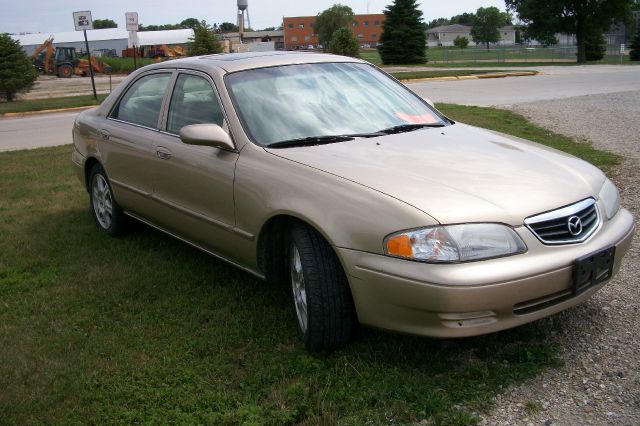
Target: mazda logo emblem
[(574, 224)]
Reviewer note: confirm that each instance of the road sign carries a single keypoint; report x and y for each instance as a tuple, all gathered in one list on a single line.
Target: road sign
[(82, 20), (132, 21), (622, 49)]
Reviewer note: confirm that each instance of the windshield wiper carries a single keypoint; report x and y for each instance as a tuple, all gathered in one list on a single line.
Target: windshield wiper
[(408, 128), (311, 140)]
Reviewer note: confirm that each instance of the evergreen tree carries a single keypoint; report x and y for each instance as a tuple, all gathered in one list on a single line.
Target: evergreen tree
[(344, 43), (17, 73), (634, 54), (595, 46), (204, 41), (404, 40)]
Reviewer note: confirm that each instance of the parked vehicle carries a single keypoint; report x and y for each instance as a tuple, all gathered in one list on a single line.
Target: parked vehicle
[(323, 172), (64, 61)]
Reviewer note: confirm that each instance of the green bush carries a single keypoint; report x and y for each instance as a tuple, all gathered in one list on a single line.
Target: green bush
[(124, 65), (595, 46), (17, 73), (634, 54), (344, 43)]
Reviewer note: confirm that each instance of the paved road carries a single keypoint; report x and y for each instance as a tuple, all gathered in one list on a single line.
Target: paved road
[(555, 83), (35, 131)]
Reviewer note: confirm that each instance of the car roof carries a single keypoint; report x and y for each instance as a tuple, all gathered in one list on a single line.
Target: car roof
[(231, 62)]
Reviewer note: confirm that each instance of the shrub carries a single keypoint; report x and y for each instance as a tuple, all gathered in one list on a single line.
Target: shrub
[(344, 43), (17, 73), (634, 54), (595, 46)]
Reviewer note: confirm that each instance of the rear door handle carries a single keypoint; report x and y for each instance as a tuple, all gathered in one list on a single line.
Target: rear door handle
[(104, 134), (163, 153)]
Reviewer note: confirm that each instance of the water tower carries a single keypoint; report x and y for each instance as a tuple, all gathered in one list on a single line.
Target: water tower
[(243, 14)]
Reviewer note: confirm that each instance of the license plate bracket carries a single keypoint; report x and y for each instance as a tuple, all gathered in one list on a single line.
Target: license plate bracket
[(593, 269)]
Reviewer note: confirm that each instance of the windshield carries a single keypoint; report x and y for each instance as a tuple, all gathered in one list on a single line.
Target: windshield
[(294, 102)]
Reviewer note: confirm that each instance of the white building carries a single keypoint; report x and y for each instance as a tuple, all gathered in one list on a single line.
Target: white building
[(109, 38)]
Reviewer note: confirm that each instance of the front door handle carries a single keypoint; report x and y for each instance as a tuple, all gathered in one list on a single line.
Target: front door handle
[(163, 153), (104, 134)]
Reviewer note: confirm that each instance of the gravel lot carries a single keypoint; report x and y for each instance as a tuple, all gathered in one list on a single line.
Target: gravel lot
[(600, 341)]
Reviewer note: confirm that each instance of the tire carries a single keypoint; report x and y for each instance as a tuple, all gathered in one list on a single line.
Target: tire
[(321, 295), (107, 214), (65, 71)]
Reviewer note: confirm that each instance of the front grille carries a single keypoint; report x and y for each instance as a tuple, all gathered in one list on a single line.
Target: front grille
[(570, 224)]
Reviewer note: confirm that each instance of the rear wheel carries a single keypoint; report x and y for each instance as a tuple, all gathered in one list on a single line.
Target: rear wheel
[(322, 298), (65, 71), (106, 212)]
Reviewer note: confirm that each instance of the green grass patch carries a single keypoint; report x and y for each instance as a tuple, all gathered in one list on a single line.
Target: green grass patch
[(441, 57), (410, 75), (124, 65), (514, 124), (50, 103), (147, 329)]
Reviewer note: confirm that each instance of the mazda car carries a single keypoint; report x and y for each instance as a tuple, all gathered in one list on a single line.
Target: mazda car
[(327, 174)]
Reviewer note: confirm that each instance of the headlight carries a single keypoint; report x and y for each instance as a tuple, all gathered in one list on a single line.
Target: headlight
[(610, 198), (455, 243)]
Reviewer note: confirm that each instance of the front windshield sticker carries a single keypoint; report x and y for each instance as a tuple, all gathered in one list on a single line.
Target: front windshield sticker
[(417, 119)]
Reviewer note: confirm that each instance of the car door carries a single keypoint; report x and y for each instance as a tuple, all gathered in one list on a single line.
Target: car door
[(126, 141), (194, 184)]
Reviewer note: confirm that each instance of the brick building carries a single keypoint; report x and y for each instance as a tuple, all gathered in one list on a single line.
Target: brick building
[(300, 34)]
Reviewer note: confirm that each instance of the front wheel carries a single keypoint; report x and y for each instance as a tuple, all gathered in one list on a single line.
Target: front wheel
[(322, 298), (106, 212)]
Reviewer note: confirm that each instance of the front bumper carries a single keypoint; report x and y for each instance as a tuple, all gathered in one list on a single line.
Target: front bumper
[(466, 299)]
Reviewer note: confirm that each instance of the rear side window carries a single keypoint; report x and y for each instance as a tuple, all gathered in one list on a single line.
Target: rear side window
[(193, 102), (142, 102)]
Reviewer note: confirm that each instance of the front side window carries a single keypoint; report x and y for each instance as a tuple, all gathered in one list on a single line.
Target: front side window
[(193, 101), (142, 102), (309, 100)]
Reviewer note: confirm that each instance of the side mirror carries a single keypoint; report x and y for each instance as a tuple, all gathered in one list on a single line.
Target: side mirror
[(429, 101), (206, 134)]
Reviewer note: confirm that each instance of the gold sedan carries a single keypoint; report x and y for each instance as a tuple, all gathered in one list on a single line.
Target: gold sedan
[(326, 173)]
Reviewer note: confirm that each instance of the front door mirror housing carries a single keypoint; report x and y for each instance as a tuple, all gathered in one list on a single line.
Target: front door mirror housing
[(206, 134)]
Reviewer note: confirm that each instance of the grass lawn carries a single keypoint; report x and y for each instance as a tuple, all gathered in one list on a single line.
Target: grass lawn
[(147, 329), (51, 103), (478, 58)]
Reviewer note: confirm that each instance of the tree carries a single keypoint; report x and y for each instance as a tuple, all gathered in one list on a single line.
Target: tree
[(545, 18), (461, 42), (204, 41), (404, 40), (190, 23), (344, 43), (595, 46), (634, 54), (486, 25), (17, 73), (228, 27), (332, 19), (104, 23)]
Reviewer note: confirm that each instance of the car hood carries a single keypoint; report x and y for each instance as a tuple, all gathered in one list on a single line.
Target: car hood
[(458, 173)]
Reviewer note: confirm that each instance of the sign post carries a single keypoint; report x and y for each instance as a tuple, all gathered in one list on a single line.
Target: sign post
[(83, 22), (622, 46), (132, 26)]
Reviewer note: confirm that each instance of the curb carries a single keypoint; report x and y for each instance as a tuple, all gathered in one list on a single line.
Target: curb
[(46, 111), (473, 76)]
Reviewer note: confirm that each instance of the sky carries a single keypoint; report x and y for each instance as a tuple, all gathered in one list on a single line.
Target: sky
[(51, 16)]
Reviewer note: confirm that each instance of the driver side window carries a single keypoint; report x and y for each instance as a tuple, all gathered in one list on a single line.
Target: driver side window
[(193, 102)]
